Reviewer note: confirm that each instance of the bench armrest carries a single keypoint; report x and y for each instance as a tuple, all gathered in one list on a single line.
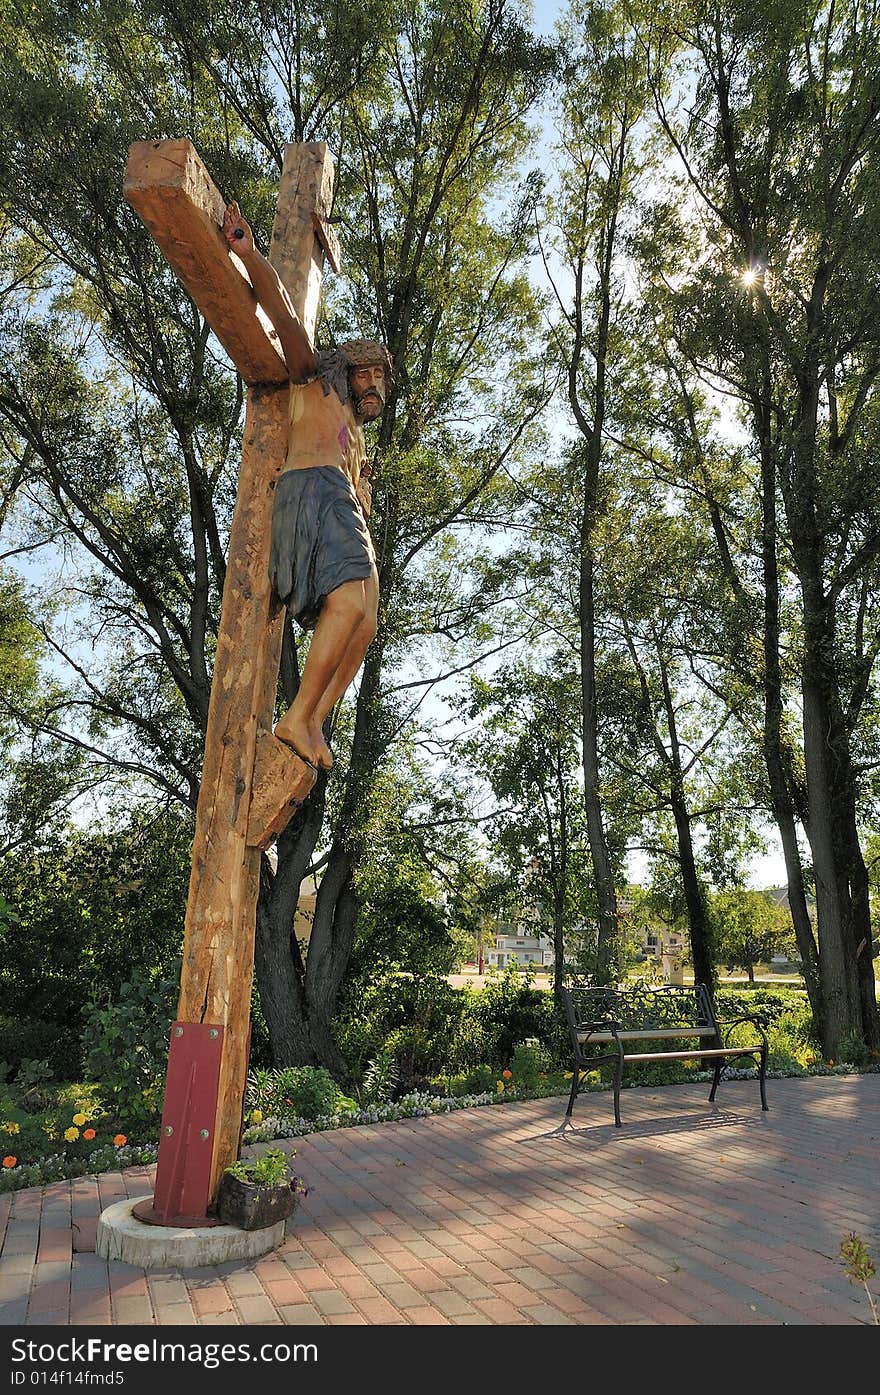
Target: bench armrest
[(758, 1020), (602, 1024)]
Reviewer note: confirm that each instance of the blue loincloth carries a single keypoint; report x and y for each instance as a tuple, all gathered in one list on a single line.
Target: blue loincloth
[(319, 539)]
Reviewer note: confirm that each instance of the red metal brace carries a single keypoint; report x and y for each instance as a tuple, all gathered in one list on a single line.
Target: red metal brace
[(186, 1139)]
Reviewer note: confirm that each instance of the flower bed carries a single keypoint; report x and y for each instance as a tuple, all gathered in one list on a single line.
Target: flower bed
[(113, 1156), (418, 1105)]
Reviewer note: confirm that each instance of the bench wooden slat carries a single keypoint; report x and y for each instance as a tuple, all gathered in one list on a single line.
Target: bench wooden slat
[(682, 1055)]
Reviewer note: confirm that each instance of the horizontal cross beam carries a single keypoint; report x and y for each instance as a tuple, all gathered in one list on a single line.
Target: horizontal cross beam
[(170, 189)]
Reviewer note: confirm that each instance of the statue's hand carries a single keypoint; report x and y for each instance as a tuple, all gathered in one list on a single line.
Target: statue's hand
[(237, 231)]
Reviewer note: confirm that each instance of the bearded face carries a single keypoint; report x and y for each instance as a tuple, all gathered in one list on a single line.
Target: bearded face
[(367, 385)]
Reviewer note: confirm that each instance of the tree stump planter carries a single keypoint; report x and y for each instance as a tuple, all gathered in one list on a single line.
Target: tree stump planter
[(252, 1207)]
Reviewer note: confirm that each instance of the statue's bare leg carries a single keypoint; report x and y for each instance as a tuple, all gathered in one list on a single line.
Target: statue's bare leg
[(342, 614), (353, 656)]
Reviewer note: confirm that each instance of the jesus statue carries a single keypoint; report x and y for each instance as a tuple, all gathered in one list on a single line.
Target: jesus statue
[(322, 562)]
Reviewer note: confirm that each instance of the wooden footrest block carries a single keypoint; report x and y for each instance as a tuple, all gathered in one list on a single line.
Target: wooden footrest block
[(280, 785)]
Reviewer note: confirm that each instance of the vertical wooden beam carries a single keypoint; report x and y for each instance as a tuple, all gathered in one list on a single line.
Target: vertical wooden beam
[(218, 959)]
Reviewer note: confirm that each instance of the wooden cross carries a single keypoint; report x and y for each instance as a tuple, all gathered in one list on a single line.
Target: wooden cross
[(251, 783)]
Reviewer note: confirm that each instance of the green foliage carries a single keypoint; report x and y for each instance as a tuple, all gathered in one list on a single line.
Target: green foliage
[(380, 1079), (125, 1044), (856, 1260), (529, 1061), (413, 1016), (69, 1120), (402, 922), (23, 1039), (90, 908), (853, 1049), (475, 1081), (300, 1092), (525, 747), (509, 1010), (20, 648), (31, 1073), (748, 928), (434, 1031)]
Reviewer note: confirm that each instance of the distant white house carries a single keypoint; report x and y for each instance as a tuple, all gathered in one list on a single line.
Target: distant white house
[(524, 945), (516, 946)]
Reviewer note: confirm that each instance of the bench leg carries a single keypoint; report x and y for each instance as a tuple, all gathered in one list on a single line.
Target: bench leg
[(575, 1081), (762, 1077), (715, 1079), (618, 1078)]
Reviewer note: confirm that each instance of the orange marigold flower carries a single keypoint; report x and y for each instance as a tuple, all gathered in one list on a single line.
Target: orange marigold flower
[(89, 1134), (10, 1161), (507, 1074), (119, 1140)]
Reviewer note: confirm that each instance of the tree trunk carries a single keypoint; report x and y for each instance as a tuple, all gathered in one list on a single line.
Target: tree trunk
[(702, 950), (830, 780), (603, 876), (861, 936), (698, 923), (278, 963), (558, 952), (780, 788), (841, 1010)]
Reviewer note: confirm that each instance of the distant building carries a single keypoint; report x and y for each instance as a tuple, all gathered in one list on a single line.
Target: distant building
[(780, 898), (523, 946)]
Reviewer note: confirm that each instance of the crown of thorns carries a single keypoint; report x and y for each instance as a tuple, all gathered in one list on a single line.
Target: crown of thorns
[(369, 353)]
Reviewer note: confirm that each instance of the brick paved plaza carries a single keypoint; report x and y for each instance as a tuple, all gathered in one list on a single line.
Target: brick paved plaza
[(690, 1214)]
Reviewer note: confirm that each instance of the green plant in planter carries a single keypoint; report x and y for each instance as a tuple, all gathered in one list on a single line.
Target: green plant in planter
[(258, 1192), (270, 1169)]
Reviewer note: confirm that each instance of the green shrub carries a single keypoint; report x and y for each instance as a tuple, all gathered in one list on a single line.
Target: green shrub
[(89, 908), (380, 1079), (471, 1038), (472, 1082), (510, 1010), (25, 1039), (529, 1061), (125, 1045), (296, 1092), (414, 1048), (413, 1018), (478, 1079), (853, 1049), (451, 1086)]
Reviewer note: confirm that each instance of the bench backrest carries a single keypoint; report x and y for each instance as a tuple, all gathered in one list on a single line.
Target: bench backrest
[(640, 1008)]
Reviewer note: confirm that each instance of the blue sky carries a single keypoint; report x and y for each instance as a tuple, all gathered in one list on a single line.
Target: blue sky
[(546, 13)]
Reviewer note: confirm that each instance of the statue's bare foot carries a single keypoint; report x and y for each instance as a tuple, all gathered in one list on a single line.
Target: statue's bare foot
[(323, 754), (297, 735)]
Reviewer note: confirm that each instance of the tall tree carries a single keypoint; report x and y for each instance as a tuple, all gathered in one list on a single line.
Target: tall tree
[(780, 147), (526, 747), (602, 100)]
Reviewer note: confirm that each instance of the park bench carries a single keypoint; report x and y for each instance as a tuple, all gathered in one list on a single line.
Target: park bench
[(644, 1024)]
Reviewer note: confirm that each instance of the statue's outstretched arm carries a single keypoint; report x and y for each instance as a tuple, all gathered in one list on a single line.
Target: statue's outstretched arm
[(272, 296)]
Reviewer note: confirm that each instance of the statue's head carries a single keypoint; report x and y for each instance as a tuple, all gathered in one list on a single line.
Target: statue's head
[(370, 376), (361, 372)]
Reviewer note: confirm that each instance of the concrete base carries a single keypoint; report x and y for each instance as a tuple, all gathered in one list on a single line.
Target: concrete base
[(122, 1236)]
